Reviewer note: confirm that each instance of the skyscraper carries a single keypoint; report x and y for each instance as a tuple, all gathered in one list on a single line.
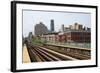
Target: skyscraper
[(63, 27), (52, 25)]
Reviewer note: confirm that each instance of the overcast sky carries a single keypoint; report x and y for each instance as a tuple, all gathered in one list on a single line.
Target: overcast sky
[(31, 18)]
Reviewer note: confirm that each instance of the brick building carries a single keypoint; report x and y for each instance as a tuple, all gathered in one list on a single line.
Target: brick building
[(50, 37), (81, 36)]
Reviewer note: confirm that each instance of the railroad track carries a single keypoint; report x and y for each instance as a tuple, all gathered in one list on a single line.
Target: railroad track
[(42, 54), (72, 54)]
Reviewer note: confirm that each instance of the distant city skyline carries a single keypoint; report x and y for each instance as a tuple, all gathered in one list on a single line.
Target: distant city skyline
[(31, 18)]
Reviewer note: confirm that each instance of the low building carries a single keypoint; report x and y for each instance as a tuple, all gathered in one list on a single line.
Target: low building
[(81, 36), (49, 37), (72, 36)]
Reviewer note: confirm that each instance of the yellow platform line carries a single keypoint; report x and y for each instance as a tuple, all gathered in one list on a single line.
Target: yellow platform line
[(26, 58)]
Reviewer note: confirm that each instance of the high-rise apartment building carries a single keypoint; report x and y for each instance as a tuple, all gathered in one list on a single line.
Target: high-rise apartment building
[(40, 29)]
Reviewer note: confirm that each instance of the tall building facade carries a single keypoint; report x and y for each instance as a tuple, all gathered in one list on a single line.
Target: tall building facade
[(76, 26), (40, 29), (30, 36), (63, 27), (52, 25)]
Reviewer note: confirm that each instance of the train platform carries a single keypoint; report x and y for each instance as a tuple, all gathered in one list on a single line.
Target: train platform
[(61, 45), (26, 58)]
